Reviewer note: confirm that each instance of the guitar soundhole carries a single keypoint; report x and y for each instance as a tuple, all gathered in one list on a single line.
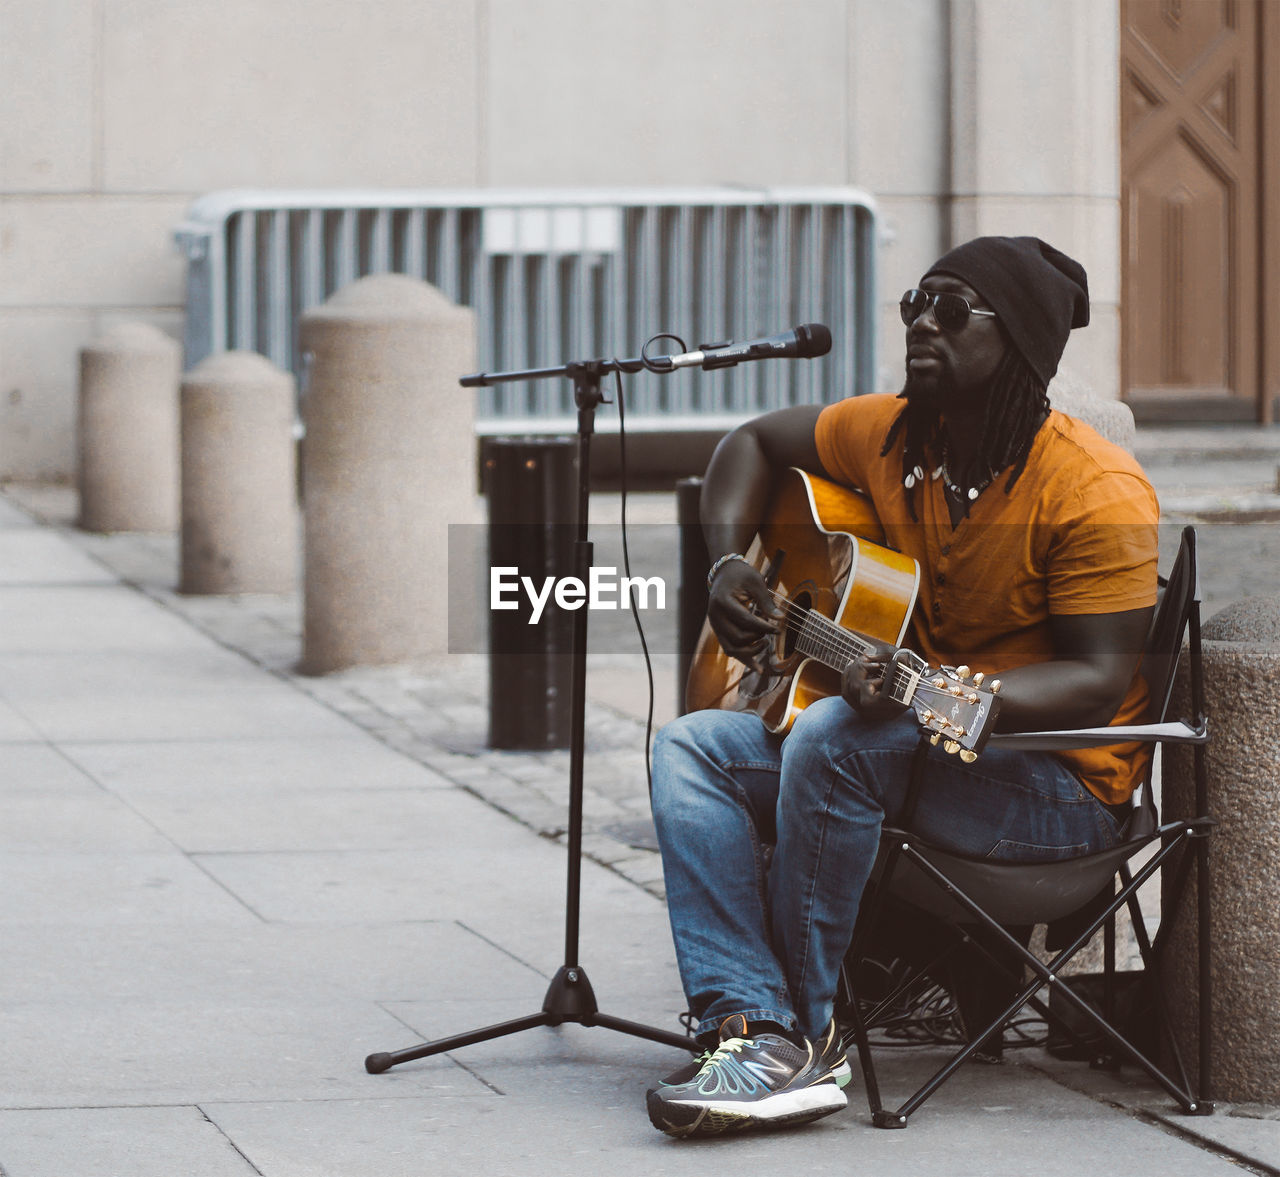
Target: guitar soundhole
[(798, 608)]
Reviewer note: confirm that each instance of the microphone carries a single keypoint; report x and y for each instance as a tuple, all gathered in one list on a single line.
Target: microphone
[(803, 342)]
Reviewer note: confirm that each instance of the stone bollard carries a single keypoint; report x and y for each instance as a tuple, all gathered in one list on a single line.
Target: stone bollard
[(1110, 418), (127, 430), (239, 490), (1241, 663), (388, 462)]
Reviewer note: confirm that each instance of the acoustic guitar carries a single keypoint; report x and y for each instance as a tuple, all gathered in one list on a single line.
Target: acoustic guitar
[(821, 552)]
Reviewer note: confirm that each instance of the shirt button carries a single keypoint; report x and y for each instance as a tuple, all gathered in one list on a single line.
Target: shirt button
[(942, 578), (945, 549), (937, 609)]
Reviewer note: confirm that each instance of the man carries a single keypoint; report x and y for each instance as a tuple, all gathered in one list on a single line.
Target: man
[(1036, 541)]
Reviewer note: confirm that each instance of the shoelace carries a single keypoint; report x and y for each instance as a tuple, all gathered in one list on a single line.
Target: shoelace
[(730, 1046)]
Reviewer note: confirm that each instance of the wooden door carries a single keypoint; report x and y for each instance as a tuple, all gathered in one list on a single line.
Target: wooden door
[(1191, 235)]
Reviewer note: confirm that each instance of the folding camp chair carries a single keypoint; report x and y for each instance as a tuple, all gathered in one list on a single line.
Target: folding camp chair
[(984, 899)]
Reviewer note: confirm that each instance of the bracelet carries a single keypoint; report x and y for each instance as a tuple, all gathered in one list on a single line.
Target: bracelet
[(720, 563)]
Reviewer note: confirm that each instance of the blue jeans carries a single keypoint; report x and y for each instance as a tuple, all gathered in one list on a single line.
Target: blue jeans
[(766, 939)]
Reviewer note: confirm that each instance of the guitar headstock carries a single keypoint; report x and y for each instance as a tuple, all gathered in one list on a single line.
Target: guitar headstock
[(959, 708)]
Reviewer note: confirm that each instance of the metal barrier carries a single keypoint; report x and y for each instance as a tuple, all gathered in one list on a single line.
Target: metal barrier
[(555, 276)]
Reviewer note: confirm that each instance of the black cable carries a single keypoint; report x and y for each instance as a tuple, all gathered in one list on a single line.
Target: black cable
[(651, 365), (927, 1015), (626, 568)]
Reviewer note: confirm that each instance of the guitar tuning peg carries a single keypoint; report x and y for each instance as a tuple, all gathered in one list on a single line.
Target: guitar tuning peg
[(971, 697), (940, 683), (926, 715), (959, 731), (933, 739), (995, 686), (951, 747), (977, 678), (962, 672), (955, 690), (968, 755)]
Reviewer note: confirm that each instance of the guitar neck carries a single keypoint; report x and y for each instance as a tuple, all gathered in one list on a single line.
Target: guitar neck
[(941, 702), (825, 641)]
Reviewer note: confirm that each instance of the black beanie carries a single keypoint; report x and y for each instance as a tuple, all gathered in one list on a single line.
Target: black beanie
[(1038, 293)]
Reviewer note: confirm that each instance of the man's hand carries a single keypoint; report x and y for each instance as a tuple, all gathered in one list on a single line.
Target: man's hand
[(743, 615), (862, 684)]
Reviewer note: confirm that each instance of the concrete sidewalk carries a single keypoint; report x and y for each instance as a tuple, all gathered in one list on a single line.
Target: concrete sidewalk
[(224, 884)]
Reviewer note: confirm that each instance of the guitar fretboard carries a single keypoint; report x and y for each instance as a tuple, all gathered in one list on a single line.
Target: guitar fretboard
[(828, 642), (822, 639)]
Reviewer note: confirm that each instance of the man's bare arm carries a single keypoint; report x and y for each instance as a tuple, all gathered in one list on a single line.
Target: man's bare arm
[(1095, 657), (735, 495)]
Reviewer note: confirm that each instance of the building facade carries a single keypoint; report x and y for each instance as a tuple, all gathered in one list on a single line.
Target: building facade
[(959, 116)]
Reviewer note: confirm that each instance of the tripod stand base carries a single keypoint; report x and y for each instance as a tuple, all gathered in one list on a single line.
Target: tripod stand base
[(569, 998)]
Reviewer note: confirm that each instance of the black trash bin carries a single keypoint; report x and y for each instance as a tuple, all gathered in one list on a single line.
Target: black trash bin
[(531, 486)]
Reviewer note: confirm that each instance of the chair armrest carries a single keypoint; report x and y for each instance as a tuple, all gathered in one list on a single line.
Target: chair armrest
[(1175, 732)]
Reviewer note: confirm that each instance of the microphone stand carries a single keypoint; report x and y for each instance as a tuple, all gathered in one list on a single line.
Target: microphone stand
[(570, 997)]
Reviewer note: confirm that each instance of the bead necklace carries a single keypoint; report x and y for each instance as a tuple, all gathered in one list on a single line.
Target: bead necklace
[(917, 475), (959, 492)]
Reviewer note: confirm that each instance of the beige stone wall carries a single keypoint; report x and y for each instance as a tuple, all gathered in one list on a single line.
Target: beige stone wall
[(958, 115), (1036, 146), (1006, 122), (115, 114)]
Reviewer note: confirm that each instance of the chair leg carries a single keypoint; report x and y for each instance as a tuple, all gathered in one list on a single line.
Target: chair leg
[(1044, 974), (865, 1059), (1153, 962), (1204, 914), (1203, 904)]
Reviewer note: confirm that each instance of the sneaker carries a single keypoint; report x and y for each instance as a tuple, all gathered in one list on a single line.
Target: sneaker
[(733, 1026), (833, 1055), (830, 1047), (684, 1074), (764, 1081)]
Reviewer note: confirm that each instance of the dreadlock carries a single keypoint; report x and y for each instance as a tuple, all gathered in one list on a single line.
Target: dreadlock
[(1015, 408)]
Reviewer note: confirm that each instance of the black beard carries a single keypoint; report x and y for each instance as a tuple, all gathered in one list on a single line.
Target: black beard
[(929, 391)]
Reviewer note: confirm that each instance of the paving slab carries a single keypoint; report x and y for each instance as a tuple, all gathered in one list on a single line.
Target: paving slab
[(455, 877), (68, 889), (1250, 1133), (14, 727), (234, 769), (179, 1051), (221, 964), (37, 768), (596, 1123), (12, 516), (148, 696), (111, 1142), (95, 823), (79, 618), (278, 822), (35, 556)]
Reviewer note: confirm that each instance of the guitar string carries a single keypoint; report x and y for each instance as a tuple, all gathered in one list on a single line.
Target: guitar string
[(834, 641), (830, 637), (832, 644)]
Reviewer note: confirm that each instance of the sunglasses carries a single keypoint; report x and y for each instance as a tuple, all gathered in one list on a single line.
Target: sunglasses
[(951, 311)]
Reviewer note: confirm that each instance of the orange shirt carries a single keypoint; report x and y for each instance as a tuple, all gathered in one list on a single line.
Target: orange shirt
[(1077, 534)]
